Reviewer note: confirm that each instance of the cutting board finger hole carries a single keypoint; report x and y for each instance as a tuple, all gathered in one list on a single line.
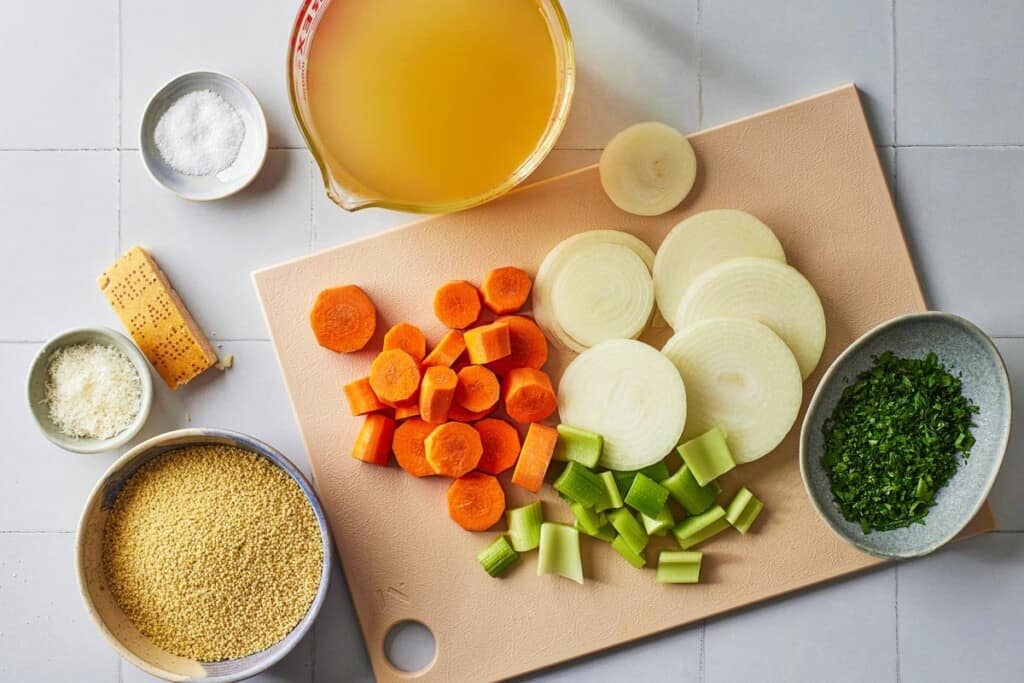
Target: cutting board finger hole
[(410, 647)]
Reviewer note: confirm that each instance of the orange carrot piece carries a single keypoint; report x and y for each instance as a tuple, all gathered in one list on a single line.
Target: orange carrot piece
[(343, 319), (394, 376), (436, 393), (453, 449), (361, 399), (487, 343), (501, 445), (478, 389), (457, 304), (505, 290), (408, 338), (447, 351), (409, 447), (535, 457), (404, 411), (529, 396), (528, 346), (460, 414), (476, 501), (373, 444)]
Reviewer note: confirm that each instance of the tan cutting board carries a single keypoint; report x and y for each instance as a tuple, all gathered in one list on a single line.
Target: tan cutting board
[(809, 170)]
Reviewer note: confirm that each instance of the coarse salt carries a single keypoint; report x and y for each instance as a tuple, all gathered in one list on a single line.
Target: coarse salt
[(200, 133), (93, 391)]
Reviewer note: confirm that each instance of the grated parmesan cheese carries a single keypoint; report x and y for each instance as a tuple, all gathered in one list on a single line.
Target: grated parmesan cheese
[(93, 391)]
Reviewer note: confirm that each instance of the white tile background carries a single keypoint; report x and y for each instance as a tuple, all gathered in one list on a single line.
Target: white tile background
[(941, 84)]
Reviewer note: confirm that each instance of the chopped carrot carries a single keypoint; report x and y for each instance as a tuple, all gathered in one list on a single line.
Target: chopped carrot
[(487, 343), (505, 290), (528, 346), (343, 319), (436, 393), (538, 447), (404, 411), (453, 449), (476, 501), (408, 446), (394, 376), (501, 445), (478, 388), (447, 351), (361, 399), (408, 338), (529, 396), (373, 444), (460, 414), (457, 304)]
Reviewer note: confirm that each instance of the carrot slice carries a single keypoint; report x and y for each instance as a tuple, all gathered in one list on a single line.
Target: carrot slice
[(447, 351), (476, 501), (408, 338), (404, 411), (505, 290), (529, 396), (373, 444), (410, 449), (501, 445), (437, 393), (478, 389), (394, 376), (457, 304), (343, 319), (528, 348), (538, 447), (361, 399), (453, 449), (460, 414), (487, 343)]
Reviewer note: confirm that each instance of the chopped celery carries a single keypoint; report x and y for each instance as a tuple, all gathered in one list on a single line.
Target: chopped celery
[(605, 533), (743, 510), (646, 496), (524, 526), (679, 567), (610, 498), (590, 522), (631, 530), (560, 551), (579, 484), (657, 472), (660, 525), (707, 456), (698, 528), (577, 444), (694, 498), (497, 557), (620, 546)]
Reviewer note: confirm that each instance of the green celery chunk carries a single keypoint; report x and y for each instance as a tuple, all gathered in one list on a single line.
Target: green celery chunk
[(610, 498), (578, 445), (743, 510), (620, 546), (660, 525), (524, 526), (707, 456), (679, 567), (579, 484), (590, 522), (560, 552), (629, 528), (699, 528), (694, 498), (646, 496), (657, 472), (497, 557), (605, 533)]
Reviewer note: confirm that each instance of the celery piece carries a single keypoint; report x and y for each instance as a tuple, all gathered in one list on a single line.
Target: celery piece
[(743, 510), (620, 546), (610, 498), (631, 530), (590, 522), (524, 526), (657, 472), (579, 484), (578, 445), (698, 528), (605, 533), (707, 456), (646, 496), (497, 557), (679, 567), (560, 551), (694, 498), (660, 525)]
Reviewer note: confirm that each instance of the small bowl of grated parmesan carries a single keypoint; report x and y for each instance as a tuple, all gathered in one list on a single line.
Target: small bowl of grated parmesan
[(90, 390)]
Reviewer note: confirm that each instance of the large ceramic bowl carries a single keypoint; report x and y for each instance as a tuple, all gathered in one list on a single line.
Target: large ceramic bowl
[(965, 350), (116, 627)]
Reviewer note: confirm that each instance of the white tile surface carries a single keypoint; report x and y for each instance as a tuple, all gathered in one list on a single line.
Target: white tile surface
[(1007, 501), (58, 67), (959, 64), (340, 654), (761, 55), (333, 225), (561, 161)]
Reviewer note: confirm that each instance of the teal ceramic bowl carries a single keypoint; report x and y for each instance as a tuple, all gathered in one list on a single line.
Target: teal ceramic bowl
[(965, 350)]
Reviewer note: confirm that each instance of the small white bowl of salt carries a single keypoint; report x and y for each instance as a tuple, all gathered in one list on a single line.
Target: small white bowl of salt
[(203, 136)]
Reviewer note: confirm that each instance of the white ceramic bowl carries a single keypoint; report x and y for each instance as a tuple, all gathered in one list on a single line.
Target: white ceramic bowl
[(250, 157)]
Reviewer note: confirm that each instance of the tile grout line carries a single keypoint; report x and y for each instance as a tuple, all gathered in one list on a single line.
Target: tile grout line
[(896, 613), (892, 23), (702, 674), (312, 222), (34, 532), (700, 69), (935, 145), (120, 105)]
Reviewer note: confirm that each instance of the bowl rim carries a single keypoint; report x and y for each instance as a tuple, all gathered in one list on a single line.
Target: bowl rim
[(829, 376), (201, 435)]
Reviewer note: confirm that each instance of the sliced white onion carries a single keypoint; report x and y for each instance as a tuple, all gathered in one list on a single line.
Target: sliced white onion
[(767, 291), (741, 377), (629, 393)]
